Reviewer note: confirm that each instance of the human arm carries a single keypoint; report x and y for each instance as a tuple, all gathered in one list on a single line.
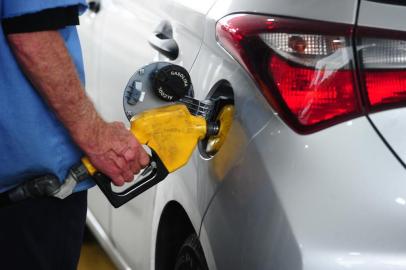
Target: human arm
[(47, 64)]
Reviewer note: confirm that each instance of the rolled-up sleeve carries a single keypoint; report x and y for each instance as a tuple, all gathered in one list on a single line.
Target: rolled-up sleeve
[(13, 8)]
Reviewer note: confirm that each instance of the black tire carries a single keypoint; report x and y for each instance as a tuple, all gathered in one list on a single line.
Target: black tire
[(191, 255)]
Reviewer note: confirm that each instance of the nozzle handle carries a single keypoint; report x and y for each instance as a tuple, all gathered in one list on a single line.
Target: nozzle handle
[(157, 173)]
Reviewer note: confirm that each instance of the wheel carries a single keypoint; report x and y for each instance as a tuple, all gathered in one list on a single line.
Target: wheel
[(191, 255)]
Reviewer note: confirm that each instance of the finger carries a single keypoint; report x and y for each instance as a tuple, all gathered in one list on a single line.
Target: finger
[(144, 159), (129, 154), (128, 176), (118, 180), (135, 168), (121, 163), (107, 166)]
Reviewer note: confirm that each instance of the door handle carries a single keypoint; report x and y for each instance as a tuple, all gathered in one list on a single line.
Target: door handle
[(162, 40), (94, 6)]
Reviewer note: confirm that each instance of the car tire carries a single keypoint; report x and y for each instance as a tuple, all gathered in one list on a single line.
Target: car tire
[(190, 256)]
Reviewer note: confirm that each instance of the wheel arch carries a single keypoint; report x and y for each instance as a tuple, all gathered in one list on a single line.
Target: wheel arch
[(173, 229)]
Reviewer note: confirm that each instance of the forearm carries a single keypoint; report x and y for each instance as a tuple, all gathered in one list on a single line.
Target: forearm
[(48, 65)]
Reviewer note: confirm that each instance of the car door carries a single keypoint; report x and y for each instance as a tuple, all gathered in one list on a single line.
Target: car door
[(187, 20), (127, 27), (122, 49)]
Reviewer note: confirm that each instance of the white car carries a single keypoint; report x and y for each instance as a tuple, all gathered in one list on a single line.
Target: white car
[(312, 174)]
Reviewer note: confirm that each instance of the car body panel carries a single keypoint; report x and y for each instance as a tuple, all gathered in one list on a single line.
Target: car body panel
[(284, 207), (381, 15), (181, 187), (122, 49), (187, 20), (390, 123), (210, 68), (215, 64), (294, 201), (270, 198), (343, 11)]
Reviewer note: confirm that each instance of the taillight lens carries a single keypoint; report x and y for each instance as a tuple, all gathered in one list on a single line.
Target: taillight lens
[(304, 69), (383, 63)]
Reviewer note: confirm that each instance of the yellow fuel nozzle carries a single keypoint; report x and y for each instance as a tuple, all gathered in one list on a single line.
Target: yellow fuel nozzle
[(224, 120), (172, 134), (171, 131)]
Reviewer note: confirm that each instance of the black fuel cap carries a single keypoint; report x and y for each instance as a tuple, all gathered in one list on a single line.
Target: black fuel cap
[(171, 82)]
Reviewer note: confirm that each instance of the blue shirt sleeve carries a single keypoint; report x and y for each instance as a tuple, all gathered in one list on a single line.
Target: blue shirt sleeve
[(13, 8)]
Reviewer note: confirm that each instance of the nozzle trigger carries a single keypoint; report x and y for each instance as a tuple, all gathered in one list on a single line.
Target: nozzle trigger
[(152, 175)]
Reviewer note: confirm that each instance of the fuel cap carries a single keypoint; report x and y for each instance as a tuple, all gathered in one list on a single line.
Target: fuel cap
[(171, 83), (140, 94)]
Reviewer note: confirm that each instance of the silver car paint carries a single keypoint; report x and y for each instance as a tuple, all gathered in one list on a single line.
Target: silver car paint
[(277, 200), (343, 11), (301, 202), (100, 234), (213, 70), (290, 205), (279, 180), (382, 15), (121, 48), (391, 124)]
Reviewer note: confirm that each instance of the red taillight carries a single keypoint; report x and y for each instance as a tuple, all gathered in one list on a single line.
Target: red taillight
[(383, 62), (304, 69), (385, 87), (311, 97)]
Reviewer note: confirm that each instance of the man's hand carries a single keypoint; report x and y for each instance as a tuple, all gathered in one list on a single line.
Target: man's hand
[(110, 147), (116, 153)]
